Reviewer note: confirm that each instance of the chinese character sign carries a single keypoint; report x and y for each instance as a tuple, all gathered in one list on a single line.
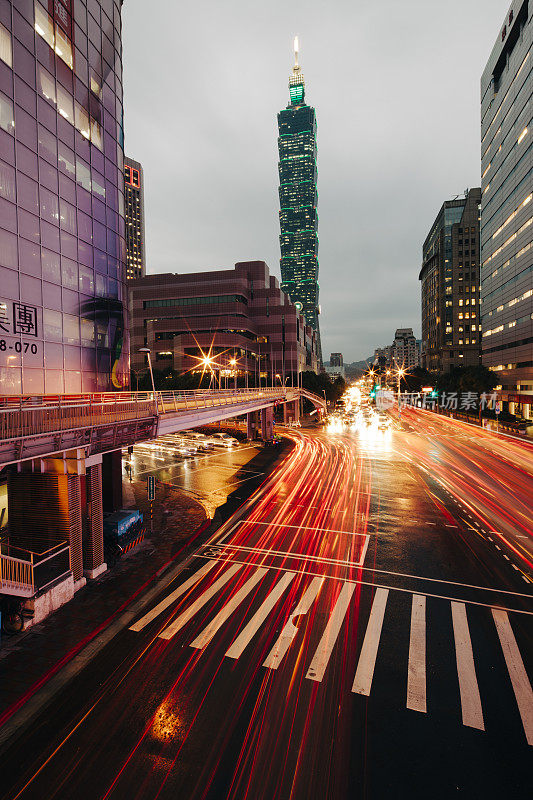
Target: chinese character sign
[(24, 319)]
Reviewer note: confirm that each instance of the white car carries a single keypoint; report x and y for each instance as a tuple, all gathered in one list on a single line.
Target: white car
[(224, 439)]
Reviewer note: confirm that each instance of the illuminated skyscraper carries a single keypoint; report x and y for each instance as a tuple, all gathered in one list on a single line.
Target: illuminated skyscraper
[(298, 200)]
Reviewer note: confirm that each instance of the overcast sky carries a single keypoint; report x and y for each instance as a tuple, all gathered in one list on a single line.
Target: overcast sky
[(396, 90)]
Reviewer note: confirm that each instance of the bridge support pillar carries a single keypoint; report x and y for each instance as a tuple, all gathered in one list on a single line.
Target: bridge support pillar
[(285, 413), (93, 518), (267, 424), (251, 425), (112, 481), (296, 406)]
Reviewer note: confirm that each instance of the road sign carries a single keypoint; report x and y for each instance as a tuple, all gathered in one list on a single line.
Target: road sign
[(151, 487), (498, 407)]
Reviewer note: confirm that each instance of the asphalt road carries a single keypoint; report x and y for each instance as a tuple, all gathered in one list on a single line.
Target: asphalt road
[(354, 631)]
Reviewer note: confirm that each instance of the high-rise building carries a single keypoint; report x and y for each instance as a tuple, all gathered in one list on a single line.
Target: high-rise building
[(63, 326), (335, 368), (507, 209), (404, 350), (298, 200), (134, 209), (451, 335)]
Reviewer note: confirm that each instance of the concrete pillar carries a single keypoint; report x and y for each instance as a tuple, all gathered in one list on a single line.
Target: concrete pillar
[(285, 413), (267, 424), (251, 425), (93, 529), (296, 406), (112, 481)]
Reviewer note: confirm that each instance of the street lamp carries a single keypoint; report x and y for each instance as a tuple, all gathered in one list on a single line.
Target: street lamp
[(233, 363), (147, 351), (401, 373)]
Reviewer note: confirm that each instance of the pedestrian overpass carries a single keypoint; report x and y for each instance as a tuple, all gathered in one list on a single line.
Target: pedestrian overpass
[(40, 427)]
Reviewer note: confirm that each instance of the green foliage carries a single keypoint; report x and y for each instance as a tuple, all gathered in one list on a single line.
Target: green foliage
[(321, 382), (477, 379)]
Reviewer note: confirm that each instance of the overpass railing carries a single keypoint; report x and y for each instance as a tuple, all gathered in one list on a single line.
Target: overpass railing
[(25, 572), (37, 415)]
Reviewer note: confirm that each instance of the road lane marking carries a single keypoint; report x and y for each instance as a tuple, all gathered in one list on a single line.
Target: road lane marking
[(367, 659), (466, 670), (207, 634), (356, 581), (274, 658), (416, 671), (189, 613), (517, 671), (318, 665), (164, 604), (249, 631), (298, 556), (302, 527)]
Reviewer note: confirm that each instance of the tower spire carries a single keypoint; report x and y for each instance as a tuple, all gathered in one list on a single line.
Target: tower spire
[(296, 80)]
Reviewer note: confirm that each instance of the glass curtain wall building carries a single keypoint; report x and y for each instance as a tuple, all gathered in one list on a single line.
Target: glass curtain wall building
[(507, 209), (298, 201), (63, 326)]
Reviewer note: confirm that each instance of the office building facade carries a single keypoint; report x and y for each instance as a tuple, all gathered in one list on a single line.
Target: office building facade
[(63, 326), (134, 212), (451, 327), (335, 368), (239, 317), (507, 209), (404, 350), (298, 201)]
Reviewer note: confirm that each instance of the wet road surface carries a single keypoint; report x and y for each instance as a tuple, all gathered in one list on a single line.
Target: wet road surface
[(352, 632)]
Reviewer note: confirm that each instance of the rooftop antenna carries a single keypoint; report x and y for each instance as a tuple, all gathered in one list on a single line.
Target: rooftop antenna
[(296, 50)]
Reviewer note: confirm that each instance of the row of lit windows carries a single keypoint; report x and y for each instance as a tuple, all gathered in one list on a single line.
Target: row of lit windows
[(69, 108), (512, 324), (508, 241), (513, 215), (506, 286), (525, 296), (512, 154)]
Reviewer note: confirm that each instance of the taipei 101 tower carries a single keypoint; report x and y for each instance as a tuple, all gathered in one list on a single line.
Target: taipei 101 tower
[(298, 217)]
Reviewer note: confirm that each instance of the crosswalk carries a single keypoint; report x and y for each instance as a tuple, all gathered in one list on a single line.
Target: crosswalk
[(235, 582)]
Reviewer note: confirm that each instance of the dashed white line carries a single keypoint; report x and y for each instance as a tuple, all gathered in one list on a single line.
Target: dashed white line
[(207, 634), (367, 659), (466, 671), (318, 665), (274, 658), (416, 674), (249, 631), (517, 672), (164, 604), (189, 613)]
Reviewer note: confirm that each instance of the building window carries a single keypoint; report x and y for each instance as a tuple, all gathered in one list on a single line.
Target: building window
[(44, 25), (7, 121), (6, 53)]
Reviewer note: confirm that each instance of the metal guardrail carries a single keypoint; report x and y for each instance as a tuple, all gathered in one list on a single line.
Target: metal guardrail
[(29, 572), (16, 576)]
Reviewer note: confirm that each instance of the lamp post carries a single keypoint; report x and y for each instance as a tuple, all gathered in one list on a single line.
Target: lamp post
[(146, 350), (401, 373), (233, 363)]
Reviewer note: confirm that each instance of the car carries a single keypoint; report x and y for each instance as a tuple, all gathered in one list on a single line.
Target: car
[(224, 439)]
